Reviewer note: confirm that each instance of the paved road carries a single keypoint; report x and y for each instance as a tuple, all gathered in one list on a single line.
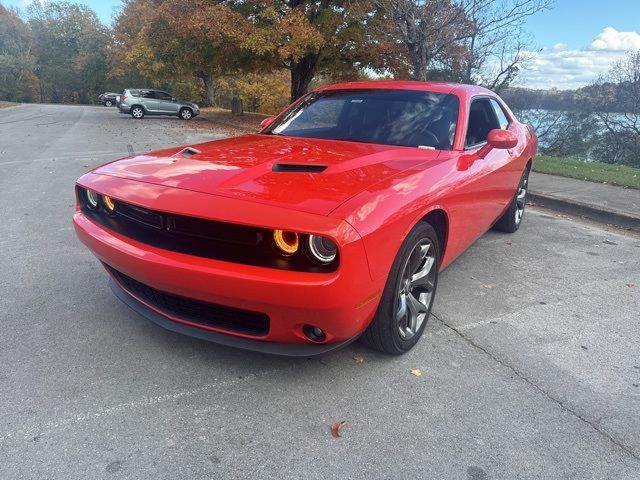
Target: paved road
[(530, 368)]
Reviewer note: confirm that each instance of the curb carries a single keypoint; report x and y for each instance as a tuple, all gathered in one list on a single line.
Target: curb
[(592, 212)]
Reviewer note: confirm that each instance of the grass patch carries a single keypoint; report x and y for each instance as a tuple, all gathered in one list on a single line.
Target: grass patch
[(592, 171)]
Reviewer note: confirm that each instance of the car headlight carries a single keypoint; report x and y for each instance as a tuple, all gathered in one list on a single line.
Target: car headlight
[(322, 249), (287, 242), (92, 199), (109, 203)]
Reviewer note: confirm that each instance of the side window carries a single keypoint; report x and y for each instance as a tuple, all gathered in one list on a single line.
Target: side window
[(482, 119), (147, 94), (134, 93), (502, 118), (163, 96)]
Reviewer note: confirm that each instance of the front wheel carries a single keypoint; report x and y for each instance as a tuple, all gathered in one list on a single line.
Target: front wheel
[(512, 218), (185, 114), (137, 112), (108, 103), (408, 295)]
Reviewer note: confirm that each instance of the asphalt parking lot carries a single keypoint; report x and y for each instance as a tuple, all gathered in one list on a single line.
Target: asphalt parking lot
[(530, 367)]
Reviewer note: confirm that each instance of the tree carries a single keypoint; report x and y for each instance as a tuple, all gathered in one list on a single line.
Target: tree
[(496, 42), (431, 34), (71, 51), (472, 41), (132, 58), (621, 143), (168, 41), (16, 57), (200, 38), (309, 37)]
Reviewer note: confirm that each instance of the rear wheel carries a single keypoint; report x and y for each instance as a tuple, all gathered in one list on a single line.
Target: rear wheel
[(137, 112), (512, 218), (108, 103), (185, 113), (408, 295)]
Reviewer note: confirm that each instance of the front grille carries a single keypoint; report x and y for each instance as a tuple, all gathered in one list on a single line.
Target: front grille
[(225, 241), (196, 311)]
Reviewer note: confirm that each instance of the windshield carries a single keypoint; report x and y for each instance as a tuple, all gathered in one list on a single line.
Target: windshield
[(390, 117)]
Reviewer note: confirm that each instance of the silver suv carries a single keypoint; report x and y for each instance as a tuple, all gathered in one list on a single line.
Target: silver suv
[(139, 102)]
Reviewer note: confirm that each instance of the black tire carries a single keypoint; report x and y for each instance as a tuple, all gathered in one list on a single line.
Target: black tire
[(108, 103), (137, 112), (185, 113), (510, 221), (384, 332)]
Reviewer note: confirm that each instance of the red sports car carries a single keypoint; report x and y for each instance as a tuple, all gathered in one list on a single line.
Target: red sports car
[(330, 224)]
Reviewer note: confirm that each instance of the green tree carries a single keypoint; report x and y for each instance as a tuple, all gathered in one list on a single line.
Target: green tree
[(71, 52), (16, 57), (310, 37), (168, 41)]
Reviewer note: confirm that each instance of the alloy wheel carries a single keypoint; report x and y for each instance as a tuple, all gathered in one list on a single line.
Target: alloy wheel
[(137, 112), (415, 291), (521, 198), (186, 114)]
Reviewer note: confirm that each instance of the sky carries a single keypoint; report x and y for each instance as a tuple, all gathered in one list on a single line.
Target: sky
[(570, 45)]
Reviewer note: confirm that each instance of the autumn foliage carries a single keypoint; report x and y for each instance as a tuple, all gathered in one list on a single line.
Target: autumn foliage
[(267, 52)]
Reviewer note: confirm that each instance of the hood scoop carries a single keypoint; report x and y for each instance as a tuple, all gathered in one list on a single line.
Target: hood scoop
[(297, 168), (188, 152)]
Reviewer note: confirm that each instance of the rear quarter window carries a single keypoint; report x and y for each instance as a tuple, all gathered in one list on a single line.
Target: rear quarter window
[(502, 117), (134, 93)]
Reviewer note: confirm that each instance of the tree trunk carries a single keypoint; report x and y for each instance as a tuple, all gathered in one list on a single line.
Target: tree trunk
[(209, 88), (302, 72), (419, 62)]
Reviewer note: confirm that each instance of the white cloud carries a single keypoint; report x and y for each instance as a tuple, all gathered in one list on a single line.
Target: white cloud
[(563, 68), (612, 40)]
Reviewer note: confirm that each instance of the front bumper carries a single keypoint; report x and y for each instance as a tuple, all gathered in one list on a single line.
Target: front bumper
[(342, 303), (272, 348)]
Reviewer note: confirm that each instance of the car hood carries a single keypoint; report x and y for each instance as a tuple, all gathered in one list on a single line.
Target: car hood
[(309, 175)]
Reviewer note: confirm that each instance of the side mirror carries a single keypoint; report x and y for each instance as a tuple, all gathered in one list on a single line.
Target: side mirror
[(266, 122), (173, 99), (502, 139)]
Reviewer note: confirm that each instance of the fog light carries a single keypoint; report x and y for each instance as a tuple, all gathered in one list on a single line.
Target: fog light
[(287, 242), (322, 249), (109, 204), (315, 334), (92, 199)]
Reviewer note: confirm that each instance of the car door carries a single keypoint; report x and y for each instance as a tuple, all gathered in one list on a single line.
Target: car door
[(166, 103), (486, 189), (149, 101)]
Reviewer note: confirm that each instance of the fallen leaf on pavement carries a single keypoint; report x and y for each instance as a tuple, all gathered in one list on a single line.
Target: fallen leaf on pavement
[(487, 285), (416, 372), (336, 427), (358, 359), (630, 285)]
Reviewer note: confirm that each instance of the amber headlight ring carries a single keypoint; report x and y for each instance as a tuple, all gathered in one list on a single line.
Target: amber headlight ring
[(286, 242)]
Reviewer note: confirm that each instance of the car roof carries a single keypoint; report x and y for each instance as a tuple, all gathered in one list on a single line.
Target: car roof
[(458, 89)]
